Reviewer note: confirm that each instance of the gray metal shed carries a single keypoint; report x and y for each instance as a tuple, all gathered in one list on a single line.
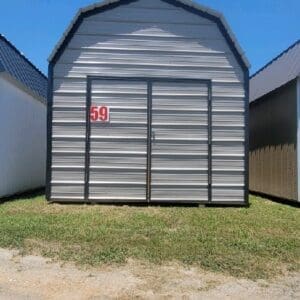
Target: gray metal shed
[(148, 102)]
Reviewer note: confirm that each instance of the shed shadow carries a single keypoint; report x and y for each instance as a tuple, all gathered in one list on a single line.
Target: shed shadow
[(276, 199), (156, 204), (23, 196), (128, 204)]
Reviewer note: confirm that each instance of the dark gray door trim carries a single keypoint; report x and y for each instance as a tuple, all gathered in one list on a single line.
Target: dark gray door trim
[(149, 137), (87, 140), (209, 142), (149, 81)]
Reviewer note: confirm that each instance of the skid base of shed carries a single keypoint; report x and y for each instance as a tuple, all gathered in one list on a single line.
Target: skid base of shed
[(152, 203)]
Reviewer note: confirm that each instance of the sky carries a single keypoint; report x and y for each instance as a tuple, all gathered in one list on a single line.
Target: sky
[(264, 28)]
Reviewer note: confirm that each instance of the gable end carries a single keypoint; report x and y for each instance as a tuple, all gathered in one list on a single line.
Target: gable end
[(184, 4)]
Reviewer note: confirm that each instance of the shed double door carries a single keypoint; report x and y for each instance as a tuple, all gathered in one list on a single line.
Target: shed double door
[(151, 144)]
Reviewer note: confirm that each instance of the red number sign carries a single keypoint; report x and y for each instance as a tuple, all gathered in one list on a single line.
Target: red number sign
[(99, 114)]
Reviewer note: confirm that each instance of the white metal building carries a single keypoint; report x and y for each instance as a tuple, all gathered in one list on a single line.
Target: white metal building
[(148, 103), (23, 90)]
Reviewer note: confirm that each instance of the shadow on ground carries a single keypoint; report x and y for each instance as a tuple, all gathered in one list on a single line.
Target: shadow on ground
[(276, 199), (24, 196), (41, 192)]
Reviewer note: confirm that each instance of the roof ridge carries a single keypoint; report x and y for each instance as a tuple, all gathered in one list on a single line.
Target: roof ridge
[(22, 55), (276, 58)]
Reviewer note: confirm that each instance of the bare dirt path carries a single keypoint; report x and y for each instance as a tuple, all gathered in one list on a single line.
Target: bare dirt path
[(33, 277)]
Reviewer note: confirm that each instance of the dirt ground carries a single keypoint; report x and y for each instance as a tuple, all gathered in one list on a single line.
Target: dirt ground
[(33, 277)]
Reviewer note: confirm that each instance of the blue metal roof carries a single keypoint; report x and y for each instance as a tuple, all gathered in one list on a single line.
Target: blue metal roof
[(19, 67)]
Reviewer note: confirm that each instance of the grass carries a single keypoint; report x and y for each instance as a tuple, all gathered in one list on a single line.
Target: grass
[(258, 242)]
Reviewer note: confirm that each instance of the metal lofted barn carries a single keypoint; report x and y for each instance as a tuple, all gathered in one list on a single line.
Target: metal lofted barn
[(148, 103)]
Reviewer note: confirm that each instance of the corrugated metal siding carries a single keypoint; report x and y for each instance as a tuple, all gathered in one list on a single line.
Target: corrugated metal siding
[(164, 41), (180, 144), (187, 4), (273, 144), (118, 150)]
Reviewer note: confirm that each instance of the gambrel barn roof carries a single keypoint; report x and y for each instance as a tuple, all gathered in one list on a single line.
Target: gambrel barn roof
[(185, 4)]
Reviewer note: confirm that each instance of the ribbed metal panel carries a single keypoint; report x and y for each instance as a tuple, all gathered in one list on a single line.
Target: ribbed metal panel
[(164, 41), (179, 142), (118, 150), (228, 173), (129, 70), (68, 170), (277, 73), (231, 194), (273, 144), (71, 192)]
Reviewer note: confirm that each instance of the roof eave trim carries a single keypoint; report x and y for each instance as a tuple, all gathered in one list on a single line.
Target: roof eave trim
[(188, 3), (275, 90), (275, 59), (21, 55), (4, 74)]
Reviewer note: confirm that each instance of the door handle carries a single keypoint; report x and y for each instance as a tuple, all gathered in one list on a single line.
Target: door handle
[(153, 136)]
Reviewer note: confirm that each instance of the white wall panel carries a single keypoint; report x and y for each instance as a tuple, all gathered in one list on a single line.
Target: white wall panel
[(23, 140)]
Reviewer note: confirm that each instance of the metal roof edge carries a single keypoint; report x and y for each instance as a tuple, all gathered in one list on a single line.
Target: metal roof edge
[(188, 3), (22, 55), (223, 20), (261, 98), (4, 74), (2, 69), (275, 59)]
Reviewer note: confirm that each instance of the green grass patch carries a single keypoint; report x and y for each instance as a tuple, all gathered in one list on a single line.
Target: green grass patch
[(257, 242)]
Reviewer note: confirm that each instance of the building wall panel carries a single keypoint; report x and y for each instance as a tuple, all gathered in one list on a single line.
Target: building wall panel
[(112, 174), (273, 143), (173, 128), (23, 139)]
